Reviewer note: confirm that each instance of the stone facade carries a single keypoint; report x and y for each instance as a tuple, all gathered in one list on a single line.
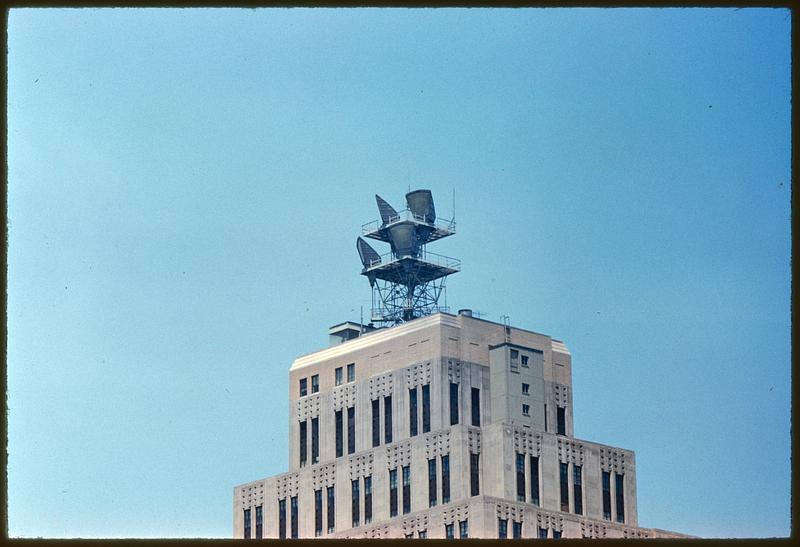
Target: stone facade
[(442, 426)]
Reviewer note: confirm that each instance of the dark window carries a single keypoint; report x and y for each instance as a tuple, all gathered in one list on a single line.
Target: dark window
[(351, 430), (393, 492), (514, 355), (606, 495), (303, 387), (524, 360), (474, 487), (562, 421), (295, 522), (409, 536), (449, 531), (412, 411), (517, 529), (351, 372), (453, 404), (406, 489), (520, 465), (463, 529), (315, 383), (303, 442), (502, 528), (445, 479), (577, 489), (556, 534), (337, 376), (387, 419), (376, 422), (259, 522), (620, 493), (314, 440), (282, 519), (356, 500), (534, 461), (247, 524), (423, 534), (564, 480), (426, 408), (368, 499), (331, 510), (339, 433), (432, 482), (545, 418), (526, 388), (542, 533), (476, 406), (318, 512), (526, 410)]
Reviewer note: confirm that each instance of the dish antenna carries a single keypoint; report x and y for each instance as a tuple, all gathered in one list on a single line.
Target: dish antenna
[(408, 281)]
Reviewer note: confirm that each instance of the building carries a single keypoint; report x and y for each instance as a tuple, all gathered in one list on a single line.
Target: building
[(441, 426)]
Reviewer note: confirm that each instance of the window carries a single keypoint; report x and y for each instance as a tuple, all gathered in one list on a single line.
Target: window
[(577, 490), (376, 422), (351, 372), (542, 533), (331, 510), (426, 408), (247, 524), (514, 355), (356, 500), (453, 403), (526, 410), (446, 479), (524, 360), (620, 492), (282, 519), (448, 531), (463, 529), (368, 499), (337, 376), (295, 522), (423, 534), (502, 528), (564, 480), (259, 522), (315, 383), (545, 418), (303, 442), (339, 433), (409, 536), (303, 387), (534, 461), (412, 411), (393, 492), (520, 465), (351, 430), (606, 495), (517, 529), (387, 419), (562, 421), (314, 440), (474, 487), (318, 512), (432, 482), (406, 489), (556, 534), (476, 406), (526, 389)]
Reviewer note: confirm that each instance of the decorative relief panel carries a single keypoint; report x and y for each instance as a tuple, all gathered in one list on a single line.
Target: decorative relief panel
[(612, 460), (398, 455), (546, 520), (454, 371), (526, 441), (323, 475), (252, 495), (437, 444), (456, 513), (287, 485), (377, 532), (635, 533), (511, 511), (381, 385), (307, 407), (344, 396), (415, 524), (418, 374), (570, 451), (474, 440), (593, 530), (561, 392), (360, 466)]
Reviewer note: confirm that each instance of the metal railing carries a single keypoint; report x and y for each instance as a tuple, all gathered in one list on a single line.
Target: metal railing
[(425, 256), (407, 214)]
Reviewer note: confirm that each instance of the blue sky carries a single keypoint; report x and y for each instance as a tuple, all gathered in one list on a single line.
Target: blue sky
[(186, 186)]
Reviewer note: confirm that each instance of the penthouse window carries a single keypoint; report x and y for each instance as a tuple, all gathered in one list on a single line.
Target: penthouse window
[(423, 534), (520, 465), (620, 492), (542, 533), (315, 383), (524, 360), (282, 519), (393, 492), (259, 521), (318, 512), (356, 496), (517, 529), (331, 510), (426, 408), (476, 407), (303, 442), (564, 483), (606, 495), (376, 422), (453, 403), (446, 479), (474, 486), (303, 387), (314, 440), (351, 430), (339, 427), (502, 528), (556, 534), (449, 532), (368, 499), (432, 482), (412, 411), (562, 420), (406, 489), (294, 515), (247, 524), (351, 372), (387, 419), (534, 461), (337, 376), (577, 489), (463, 529)]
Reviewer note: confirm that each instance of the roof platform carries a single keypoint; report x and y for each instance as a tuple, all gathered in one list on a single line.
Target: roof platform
[(399, 270), (377, 229)]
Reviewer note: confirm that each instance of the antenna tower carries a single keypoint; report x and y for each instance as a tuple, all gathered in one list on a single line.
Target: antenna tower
[(407, 281)]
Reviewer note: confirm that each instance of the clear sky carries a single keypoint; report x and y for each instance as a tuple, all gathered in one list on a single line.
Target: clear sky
[(186, 187)]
